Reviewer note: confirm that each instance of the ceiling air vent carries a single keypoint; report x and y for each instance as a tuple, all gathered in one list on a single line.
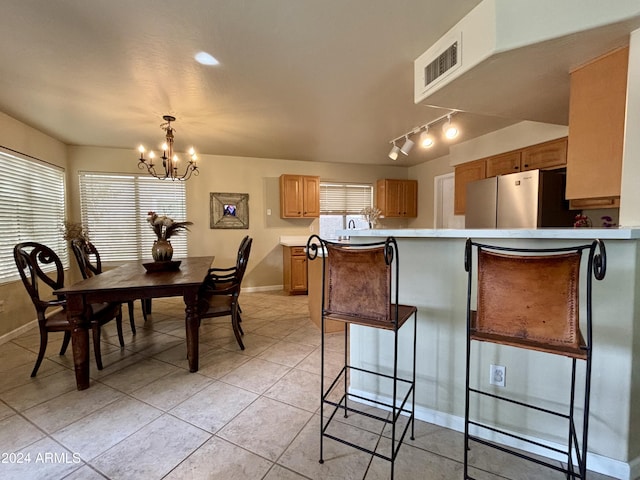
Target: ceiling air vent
[(442, 64)]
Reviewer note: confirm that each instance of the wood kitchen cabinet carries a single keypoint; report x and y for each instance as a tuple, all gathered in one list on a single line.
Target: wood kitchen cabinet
[(294, 270), (504, 163), (597, 105), (543, 156), (299, 196), (397, 198), (465, 173)]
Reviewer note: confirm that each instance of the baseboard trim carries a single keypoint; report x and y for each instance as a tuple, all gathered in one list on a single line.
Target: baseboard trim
[(267, 288), (7, 337), (596, 463)]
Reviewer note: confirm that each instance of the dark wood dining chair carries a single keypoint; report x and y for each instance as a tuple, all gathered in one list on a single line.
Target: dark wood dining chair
[(219, 294), (90, 264), (39, 266)]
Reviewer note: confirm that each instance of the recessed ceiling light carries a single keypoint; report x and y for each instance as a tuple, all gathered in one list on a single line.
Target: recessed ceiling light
[(206, 59)]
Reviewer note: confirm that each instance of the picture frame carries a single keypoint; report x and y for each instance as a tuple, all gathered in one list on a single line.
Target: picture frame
[(228, 210)]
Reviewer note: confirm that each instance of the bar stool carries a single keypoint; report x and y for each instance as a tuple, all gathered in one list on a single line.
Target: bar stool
[(530, 299), (360, 286)]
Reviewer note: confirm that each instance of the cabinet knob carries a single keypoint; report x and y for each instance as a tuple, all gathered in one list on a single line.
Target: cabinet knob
[(526, 165), (516, 167)]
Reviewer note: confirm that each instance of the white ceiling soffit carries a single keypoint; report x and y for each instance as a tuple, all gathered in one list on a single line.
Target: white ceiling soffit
[(509, 49)]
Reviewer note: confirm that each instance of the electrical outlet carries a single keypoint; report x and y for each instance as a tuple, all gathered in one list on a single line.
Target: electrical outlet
[(311, 228), (1, 306), (498, 375)]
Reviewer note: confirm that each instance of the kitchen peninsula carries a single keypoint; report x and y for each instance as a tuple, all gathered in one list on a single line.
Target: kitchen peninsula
[(432, 277)]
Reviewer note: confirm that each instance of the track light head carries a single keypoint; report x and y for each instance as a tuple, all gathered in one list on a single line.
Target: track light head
[(450, 129), (393, 154), (426, 139), (408, 145)]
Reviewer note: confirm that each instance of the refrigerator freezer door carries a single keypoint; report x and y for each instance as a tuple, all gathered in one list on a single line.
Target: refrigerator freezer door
[(518, 200), (481, 203)]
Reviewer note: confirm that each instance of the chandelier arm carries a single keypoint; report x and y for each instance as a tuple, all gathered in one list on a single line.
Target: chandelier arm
[(142, 163)]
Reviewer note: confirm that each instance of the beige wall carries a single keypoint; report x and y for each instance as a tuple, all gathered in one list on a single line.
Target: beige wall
[(425, 174), (256, 176)]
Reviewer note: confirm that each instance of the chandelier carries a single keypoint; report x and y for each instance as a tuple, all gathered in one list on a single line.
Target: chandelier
[(170, 160)]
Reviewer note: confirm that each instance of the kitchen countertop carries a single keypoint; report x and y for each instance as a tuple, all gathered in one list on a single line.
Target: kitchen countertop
[(294, 241), (541, 233)]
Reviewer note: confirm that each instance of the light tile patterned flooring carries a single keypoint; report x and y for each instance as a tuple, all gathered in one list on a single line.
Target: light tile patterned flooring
[(249, 414)]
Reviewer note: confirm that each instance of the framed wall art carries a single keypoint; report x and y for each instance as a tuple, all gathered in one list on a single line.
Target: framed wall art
[(229, 210)]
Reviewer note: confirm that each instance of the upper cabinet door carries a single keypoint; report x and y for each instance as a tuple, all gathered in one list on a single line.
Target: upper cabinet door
[(311, 197), (503, 164), (290, 196), (465, 173), (545, 155), (597, 105)]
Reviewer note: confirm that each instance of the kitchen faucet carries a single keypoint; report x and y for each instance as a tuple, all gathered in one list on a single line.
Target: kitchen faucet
[(351, 224)]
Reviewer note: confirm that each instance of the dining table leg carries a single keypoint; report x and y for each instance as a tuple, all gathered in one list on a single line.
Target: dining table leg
[(79, 340), (192, 325)]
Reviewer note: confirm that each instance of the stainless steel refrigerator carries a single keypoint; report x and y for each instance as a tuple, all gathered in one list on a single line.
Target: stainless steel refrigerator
[(529, 199)]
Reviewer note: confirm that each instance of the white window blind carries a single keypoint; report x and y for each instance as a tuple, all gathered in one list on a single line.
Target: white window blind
[(344, 199), (114, 211), (32, 208)]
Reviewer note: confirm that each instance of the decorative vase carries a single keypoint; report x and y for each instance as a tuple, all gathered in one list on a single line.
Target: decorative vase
[(162, 251)]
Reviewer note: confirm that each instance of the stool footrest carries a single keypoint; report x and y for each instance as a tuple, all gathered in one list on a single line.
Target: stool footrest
[(342, 405)]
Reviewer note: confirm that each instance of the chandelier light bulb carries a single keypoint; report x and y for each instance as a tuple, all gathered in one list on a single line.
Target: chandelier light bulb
[(152, 155)]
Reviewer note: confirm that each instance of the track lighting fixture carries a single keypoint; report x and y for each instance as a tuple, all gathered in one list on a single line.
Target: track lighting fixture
[(427, 139), (393, 154), (408, 145)]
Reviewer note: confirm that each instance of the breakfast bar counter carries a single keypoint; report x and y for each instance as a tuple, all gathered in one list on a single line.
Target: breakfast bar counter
[(432, 277)]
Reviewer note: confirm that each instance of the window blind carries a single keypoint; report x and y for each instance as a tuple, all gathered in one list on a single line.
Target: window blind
[(114, 210), (32, 208), (344, 199)]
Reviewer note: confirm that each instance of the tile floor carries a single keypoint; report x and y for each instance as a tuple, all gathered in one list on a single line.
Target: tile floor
[(249, 414)]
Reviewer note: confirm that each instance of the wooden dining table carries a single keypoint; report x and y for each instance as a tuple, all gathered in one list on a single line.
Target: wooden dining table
[(130, 282)]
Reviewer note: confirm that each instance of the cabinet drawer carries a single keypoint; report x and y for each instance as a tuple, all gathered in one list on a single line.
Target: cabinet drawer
[(587, 203), (297, 251)]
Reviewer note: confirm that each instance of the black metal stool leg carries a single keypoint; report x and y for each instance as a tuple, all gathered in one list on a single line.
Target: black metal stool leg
[(413, 395), (322, 389), (346, 374)]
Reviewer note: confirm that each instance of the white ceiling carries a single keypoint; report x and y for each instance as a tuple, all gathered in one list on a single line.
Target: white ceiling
[(313, 80)]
